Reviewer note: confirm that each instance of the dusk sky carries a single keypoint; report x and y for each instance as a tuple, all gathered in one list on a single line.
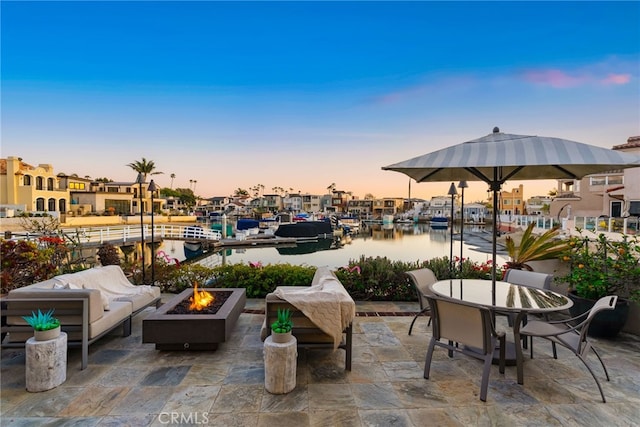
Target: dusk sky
[(301, 95)]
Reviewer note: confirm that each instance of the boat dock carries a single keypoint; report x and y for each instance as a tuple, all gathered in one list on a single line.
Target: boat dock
[(255, 241)]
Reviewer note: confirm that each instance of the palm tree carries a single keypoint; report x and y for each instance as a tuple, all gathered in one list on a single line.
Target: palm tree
[(240, 192), (195, 181), (173, 176), (144, 167)]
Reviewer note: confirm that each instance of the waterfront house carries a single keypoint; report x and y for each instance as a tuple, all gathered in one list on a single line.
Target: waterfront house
[(613, 194)]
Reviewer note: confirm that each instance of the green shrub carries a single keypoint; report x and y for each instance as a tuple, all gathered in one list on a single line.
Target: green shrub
[(259, 280), (367, 278)]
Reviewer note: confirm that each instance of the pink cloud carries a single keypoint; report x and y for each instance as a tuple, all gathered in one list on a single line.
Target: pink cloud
[(560, 79), (554, 78), (616, 79)]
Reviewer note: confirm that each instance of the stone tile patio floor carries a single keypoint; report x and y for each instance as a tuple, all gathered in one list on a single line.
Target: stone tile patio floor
[(128, 383)]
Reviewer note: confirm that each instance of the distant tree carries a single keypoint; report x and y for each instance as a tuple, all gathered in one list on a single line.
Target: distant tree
[(331, 187), (257, 190), (173, 176), (144, 167), (553, 193), (240, 192), (104, 179), (369, 196)]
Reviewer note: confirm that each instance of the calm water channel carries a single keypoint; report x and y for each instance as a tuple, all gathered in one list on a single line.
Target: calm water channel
[(406, 242)]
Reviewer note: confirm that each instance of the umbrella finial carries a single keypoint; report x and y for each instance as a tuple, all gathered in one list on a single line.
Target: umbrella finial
[(496, 129)]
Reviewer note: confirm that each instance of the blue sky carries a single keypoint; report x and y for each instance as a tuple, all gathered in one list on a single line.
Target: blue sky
[(304, 94)]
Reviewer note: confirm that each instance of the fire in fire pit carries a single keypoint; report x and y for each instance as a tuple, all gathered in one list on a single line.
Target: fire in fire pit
[(202, 302)]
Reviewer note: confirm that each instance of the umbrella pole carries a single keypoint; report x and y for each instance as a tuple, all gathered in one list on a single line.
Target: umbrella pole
[(495, 186)]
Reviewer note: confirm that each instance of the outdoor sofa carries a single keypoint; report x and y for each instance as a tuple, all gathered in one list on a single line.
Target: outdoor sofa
[(88, 303)]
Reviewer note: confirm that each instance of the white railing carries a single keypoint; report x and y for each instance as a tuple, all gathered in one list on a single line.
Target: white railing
[(127, 233), (627, 226)]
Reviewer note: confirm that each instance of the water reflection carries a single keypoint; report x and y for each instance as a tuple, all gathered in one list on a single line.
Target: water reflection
[(400, 242)]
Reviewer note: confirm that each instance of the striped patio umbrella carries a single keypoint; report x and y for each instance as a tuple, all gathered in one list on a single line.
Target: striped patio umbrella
[(499, 157)]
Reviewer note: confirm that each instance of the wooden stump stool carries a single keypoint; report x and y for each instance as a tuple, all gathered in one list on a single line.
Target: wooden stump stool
[(280, 363), (46, 364)]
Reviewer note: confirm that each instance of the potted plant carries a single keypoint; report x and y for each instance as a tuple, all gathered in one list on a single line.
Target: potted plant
[(45, 326), (281, 328), (534, 248), (600, 268)]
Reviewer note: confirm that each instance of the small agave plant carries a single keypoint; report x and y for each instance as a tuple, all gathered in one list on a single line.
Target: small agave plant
[(42, 321)]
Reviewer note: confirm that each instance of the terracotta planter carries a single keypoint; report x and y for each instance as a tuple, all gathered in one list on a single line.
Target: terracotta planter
[(606, 324), (47, 335), (281, 338)]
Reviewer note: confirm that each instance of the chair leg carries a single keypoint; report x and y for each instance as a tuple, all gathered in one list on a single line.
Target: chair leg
[(488, 359), (349, 345), (555, 352), (503, 351), (594, 377), (602, 363), (416, 318), (427, 363)]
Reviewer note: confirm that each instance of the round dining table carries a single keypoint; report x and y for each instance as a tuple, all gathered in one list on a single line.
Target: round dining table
[(506, 298)]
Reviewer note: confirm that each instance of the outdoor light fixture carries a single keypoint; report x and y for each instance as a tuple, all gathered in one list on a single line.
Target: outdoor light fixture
[(140, 181), (152, 189), (462, 185), (453, 193)]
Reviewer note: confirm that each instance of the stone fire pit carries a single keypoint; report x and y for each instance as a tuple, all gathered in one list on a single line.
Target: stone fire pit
[(193, 331)]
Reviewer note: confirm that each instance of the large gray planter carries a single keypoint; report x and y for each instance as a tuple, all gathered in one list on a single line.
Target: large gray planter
[(606, 324)]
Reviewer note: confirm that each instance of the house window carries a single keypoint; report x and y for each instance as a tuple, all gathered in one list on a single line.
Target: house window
[(51, 205), (50, 184), (634, 208), (27, 180), (76, 185), (40, 204), (615, 180), (39, 183)]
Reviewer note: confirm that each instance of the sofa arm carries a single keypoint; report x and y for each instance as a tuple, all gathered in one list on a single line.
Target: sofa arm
[(45, 299)]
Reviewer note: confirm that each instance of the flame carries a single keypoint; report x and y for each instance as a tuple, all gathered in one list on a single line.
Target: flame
[(201, 299)]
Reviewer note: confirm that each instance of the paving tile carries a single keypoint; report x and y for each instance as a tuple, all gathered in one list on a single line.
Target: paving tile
[(238, 398), (191, 399), (375, 396), (330, 396), (332, 418), (143, 400), (165, 376), (94, 401), (383, 418), (295, 401)]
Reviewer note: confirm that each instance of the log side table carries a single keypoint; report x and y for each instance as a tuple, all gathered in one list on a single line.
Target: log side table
[(46, 363), (280, 364)]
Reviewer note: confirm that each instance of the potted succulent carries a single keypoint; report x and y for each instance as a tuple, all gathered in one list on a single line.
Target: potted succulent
[(600, 268), (281, 328), (45, 326)]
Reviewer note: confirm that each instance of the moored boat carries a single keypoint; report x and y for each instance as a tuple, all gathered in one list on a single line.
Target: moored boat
[(439, 222)]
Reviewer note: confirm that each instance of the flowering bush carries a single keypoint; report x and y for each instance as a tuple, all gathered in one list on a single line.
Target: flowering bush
[(603, 267), (24, 262)]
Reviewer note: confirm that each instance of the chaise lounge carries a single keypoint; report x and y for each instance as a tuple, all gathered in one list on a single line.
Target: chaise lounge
[(322, 313)]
